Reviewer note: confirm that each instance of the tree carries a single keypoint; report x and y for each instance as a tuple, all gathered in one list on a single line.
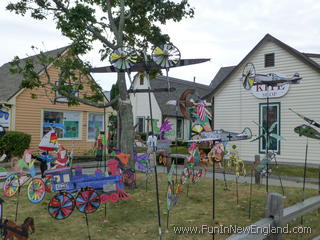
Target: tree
[(114, 23)]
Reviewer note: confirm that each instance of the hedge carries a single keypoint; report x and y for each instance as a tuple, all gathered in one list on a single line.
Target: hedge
[(14, 143)]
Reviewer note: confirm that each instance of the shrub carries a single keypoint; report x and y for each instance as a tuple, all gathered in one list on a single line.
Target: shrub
[(14, 143)]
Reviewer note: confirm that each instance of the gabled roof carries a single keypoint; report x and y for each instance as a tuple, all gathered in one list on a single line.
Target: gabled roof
[(180, 86), (10, 83), (304, 57), (220, 76)]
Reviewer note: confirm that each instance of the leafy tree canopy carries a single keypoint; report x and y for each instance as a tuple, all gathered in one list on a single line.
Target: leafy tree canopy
[(114, 23)]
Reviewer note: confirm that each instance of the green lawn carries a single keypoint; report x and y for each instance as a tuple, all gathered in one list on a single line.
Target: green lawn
[(136, 218)]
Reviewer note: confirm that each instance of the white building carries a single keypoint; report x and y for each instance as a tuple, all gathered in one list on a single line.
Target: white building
[(160, 110), (236, 108)]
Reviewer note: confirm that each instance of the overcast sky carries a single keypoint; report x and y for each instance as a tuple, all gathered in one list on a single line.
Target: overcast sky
[(223, 30)]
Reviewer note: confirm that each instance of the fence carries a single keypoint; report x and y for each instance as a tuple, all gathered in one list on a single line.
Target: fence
[(276, 217)]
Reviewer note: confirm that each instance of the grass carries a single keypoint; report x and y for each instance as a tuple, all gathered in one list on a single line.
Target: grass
[(136, 218)]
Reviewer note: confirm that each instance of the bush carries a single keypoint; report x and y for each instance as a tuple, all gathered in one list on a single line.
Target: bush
[(14, 143)]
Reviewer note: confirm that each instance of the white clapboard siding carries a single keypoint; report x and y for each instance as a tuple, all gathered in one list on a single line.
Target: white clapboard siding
[(236, 108), (316, 59)]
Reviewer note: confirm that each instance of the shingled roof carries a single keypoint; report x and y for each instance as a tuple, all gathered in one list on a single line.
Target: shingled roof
[(304, 57), (10, 83), (180, 86)]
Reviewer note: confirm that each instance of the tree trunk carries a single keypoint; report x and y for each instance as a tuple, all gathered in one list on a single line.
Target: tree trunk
[(126, 120)]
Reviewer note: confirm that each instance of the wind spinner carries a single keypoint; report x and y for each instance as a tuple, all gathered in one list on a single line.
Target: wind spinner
[(166, 56)]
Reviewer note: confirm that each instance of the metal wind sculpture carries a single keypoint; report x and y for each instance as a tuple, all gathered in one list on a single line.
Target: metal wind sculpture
[(123, 59), (163, 57), (308, 132), (166, 56), (251, 78), (172, 193)]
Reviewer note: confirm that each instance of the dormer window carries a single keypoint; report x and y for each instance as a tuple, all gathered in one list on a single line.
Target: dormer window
[(141, 79), (269, 60)]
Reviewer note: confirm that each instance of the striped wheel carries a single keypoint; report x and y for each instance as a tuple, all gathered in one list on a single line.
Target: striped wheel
[(36, 190), (11, 185), (87, 201), (61, 205)]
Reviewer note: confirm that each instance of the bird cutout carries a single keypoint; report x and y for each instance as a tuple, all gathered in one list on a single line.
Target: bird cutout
[(270, 132)]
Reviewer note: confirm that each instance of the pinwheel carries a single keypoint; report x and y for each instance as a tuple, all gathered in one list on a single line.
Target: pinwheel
[(123, 58), (11, 185), (61, 205), (87, 201), (248, 74), (166, 56), (36, 190)]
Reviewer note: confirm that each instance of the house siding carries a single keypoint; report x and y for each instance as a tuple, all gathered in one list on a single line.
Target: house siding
[(29, 115), (236, 108), (140, 103)]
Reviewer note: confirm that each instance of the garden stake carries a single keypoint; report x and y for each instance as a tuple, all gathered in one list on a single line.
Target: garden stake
[(237, 190), (304, 174), (87, 222), (250, 195), (158, 204), (319, 187), (18, 198)]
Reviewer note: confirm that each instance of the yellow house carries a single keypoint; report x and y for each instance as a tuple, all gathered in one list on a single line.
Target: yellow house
[(21, 112)]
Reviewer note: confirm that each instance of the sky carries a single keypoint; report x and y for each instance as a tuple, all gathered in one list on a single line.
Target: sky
[(222, 30)]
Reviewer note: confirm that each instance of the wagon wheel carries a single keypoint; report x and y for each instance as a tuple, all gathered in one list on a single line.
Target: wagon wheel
[(197, 174), (128, 178), (36, 190), (87, 201), (61, 205), (184, 176), (11, 185)]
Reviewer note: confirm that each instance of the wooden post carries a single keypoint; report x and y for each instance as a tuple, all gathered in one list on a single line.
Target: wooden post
[(256, 174), (274, 209)]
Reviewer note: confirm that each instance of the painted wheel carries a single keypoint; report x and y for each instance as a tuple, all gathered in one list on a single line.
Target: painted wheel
[(61, 205), (166, 55), (11, 185), (123, 58), (184, 176), (88, 201), (128, 178), (196, 176), (36, 190)]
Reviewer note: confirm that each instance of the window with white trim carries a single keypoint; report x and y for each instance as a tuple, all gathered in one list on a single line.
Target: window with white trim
[(95, 125), (70, 120), (140, 122), (273, 125)]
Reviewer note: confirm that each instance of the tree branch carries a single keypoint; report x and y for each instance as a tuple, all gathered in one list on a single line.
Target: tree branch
[(90, 28), (121, 22), (111, 20)]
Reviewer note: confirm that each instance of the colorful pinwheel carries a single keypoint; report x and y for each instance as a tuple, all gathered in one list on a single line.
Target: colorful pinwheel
[(123, 58)]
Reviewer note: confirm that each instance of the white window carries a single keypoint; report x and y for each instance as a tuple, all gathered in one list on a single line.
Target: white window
[(95, 125), (273, 117), (140, 122), (179, 128), (70, 120), (62, 99)]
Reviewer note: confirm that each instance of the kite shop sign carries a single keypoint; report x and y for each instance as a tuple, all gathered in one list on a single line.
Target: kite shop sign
[(262, 91)]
